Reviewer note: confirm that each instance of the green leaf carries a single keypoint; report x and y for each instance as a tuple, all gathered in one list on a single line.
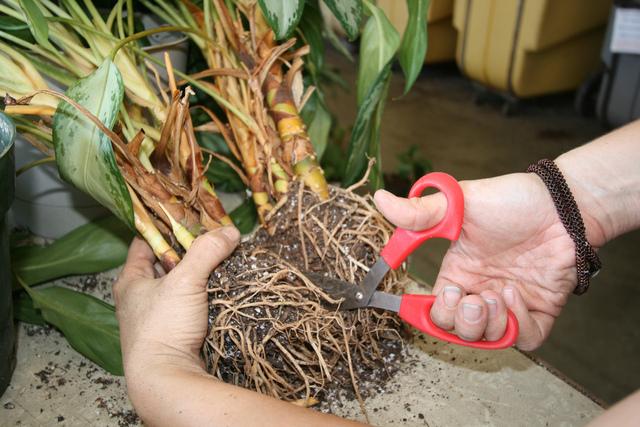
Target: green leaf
[(245, 216), (50, 70), (16, 28), (219, 173), (365, 136), (411, 165), (84, 153), (311, 27), (348, 13), (94, 247), (88, 324), (378, 45), (25, 311), (414, 42), (282, 15), (334, 160), (37, 22), (318, 121)]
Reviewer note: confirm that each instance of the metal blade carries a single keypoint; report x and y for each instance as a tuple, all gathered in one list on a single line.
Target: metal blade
[(354, 296), (373, 279), (337, 289), (386, 301)]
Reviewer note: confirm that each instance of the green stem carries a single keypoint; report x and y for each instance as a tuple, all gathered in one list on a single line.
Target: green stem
[(130, 26), (143, 34), (34, 131), (251, 124), (35, 163)]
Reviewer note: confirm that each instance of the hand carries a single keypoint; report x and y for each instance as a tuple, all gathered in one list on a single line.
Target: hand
[(513, 252), (163, 321)]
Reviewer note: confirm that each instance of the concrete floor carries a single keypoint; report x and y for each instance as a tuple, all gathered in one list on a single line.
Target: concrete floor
[(596, 340)]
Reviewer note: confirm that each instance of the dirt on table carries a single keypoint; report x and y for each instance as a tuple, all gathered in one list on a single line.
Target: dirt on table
[(274, 331)]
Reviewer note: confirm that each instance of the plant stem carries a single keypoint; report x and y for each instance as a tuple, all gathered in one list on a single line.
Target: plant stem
[(35, 163), (248, 121), (143, 34)]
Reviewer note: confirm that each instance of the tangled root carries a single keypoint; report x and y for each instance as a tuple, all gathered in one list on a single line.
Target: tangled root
[(272, 330)]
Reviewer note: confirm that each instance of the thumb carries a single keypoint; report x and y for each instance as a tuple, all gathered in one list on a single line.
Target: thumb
[(205, 253), (417, 213)]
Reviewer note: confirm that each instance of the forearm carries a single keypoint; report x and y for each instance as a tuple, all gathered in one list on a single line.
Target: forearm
[(191, 397), (623, 413), (604, 177)]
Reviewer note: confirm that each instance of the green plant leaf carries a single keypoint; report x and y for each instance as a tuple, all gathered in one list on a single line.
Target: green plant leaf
[(16, 28), (348, 13), (378, 45), (334, 160), (365, 136), (25, 311), (283, 15), (219, 173), (88, 324), (414, 42), (50, 70), (311, 28), (84, 153), (94, 247), (318, 121), (245, 216), (37, 22)]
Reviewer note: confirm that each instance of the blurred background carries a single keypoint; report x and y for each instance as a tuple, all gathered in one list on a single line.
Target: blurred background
[(506, 83)]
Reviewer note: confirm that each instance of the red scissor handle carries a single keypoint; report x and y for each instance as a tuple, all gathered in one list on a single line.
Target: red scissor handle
[(403, 242), (416, 311)]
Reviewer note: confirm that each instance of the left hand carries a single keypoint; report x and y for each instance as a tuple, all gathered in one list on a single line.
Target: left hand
[(163, 321)]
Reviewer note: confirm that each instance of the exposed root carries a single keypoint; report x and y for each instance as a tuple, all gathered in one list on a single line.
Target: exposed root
[(271, 328)]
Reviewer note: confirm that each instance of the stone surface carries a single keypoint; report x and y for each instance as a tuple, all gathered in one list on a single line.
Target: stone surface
[(438, 384)]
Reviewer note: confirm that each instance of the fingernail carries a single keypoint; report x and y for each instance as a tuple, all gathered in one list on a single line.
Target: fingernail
[(509, 296), (492, 305), (471, 312), (231, 233), (451, 296)]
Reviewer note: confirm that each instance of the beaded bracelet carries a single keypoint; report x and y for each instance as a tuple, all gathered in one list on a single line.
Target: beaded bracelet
[(588, 264)]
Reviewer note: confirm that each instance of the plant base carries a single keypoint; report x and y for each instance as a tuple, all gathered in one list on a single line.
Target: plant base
[(272, 330)]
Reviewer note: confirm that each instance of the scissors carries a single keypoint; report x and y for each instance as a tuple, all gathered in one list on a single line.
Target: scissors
[(414, 309)]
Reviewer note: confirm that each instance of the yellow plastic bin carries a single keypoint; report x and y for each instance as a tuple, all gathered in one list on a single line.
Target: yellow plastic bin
[(529, 47), (442, 35)]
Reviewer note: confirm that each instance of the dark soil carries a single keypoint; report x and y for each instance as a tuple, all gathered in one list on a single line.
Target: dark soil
[(272, 330)]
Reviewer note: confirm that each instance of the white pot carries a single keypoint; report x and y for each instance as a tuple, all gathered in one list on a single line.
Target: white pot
[(46, 205)]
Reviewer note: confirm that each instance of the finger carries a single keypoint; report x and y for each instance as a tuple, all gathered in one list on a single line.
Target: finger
[(417, 213), (443, 311), (159, 270), (530, 335), (206, 252), (496, 315), (139, 264), (471, 318)]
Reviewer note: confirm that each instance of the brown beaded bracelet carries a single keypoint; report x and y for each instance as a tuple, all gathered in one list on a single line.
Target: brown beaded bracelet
[(587, 262)]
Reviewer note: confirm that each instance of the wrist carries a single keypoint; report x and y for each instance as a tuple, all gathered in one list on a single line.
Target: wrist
[(159, 358), (599, 224), (605, 179), (603, 198), (154, 380)]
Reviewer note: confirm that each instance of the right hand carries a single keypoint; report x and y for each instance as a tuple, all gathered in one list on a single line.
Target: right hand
[(513, 253)]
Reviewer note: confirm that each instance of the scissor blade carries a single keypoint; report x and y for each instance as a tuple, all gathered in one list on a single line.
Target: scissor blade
[(354, 296), (373, 278), (385, 301), (339, 289)]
